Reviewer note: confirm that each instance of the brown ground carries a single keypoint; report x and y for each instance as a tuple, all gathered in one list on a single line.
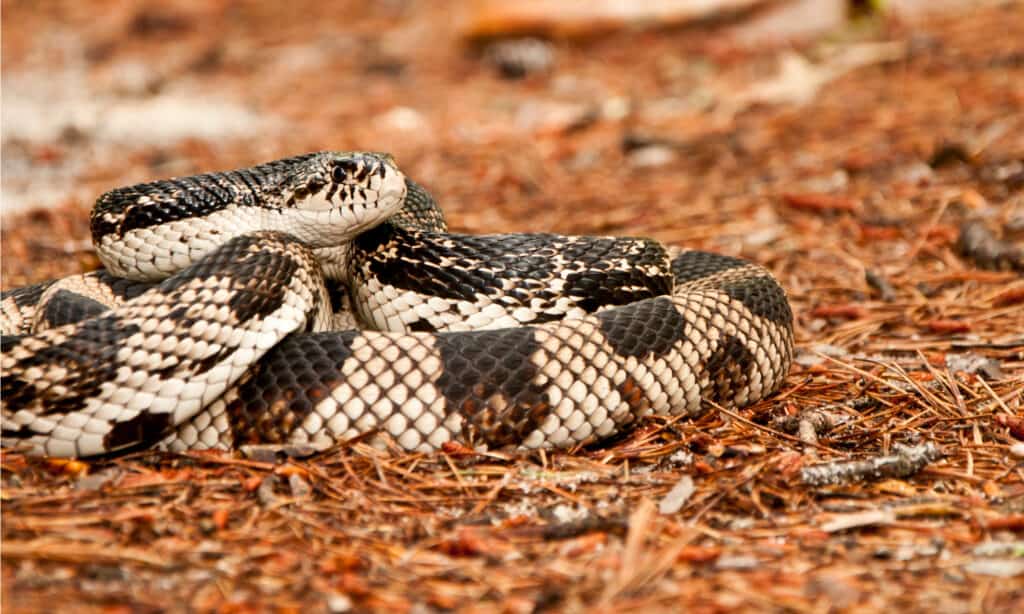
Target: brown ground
[(675, 134)]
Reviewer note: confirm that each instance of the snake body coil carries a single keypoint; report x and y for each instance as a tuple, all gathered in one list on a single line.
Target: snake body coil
[(496, 340)]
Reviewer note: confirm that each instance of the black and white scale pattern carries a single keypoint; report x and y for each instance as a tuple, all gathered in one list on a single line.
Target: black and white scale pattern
[(555, 384), (495, 341), (130, 374), (413, 280)]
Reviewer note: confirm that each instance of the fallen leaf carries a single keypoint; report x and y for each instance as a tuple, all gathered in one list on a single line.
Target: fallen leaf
[(699, 554), (850, 312), (947, 326), (1013, 423), (220, 518), (813, 201), (67, 466)]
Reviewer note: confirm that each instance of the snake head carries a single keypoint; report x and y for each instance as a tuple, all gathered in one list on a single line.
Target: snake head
[(334, 179), (340, 194)]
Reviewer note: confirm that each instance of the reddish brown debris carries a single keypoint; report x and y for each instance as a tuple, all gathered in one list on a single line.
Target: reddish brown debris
[(820, 202), (849, 312), (947, 326), (881, 167), (1014, 424)]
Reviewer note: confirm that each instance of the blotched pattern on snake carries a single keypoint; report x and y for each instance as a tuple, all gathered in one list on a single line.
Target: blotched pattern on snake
[(319, 298)]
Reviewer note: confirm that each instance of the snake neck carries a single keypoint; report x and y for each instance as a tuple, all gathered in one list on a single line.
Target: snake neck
[(335, 261), (419, 212)]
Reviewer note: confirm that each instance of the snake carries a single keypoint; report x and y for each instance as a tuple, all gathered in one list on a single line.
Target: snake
[(321, 299)]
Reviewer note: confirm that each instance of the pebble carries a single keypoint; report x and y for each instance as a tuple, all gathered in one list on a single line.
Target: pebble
[(652, 156), (676, 498), (517, 58)]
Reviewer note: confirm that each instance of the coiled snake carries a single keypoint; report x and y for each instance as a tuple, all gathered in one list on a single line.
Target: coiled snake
[(318, 298)]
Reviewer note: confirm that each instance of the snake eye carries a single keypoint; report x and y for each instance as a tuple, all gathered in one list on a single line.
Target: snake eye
[(344, 169)]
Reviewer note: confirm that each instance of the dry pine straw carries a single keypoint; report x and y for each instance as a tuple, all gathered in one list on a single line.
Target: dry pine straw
[(883, 301)]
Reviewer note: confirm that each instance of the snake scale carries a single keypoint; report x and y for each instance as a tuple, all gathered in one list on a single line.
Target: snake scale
[(319, 298)]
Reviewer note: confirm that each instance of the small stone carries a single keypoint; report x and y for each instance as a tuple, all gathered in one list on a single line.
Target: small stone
[(615, 109), (975, 363), (265, 492), (681, 457), (996, 549), (566, 513), (917, 173), (674, 500), (520, 57), (652, 156), (404, 119), (95, 481), (300, 487), (336, 602), (1000, 568)]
